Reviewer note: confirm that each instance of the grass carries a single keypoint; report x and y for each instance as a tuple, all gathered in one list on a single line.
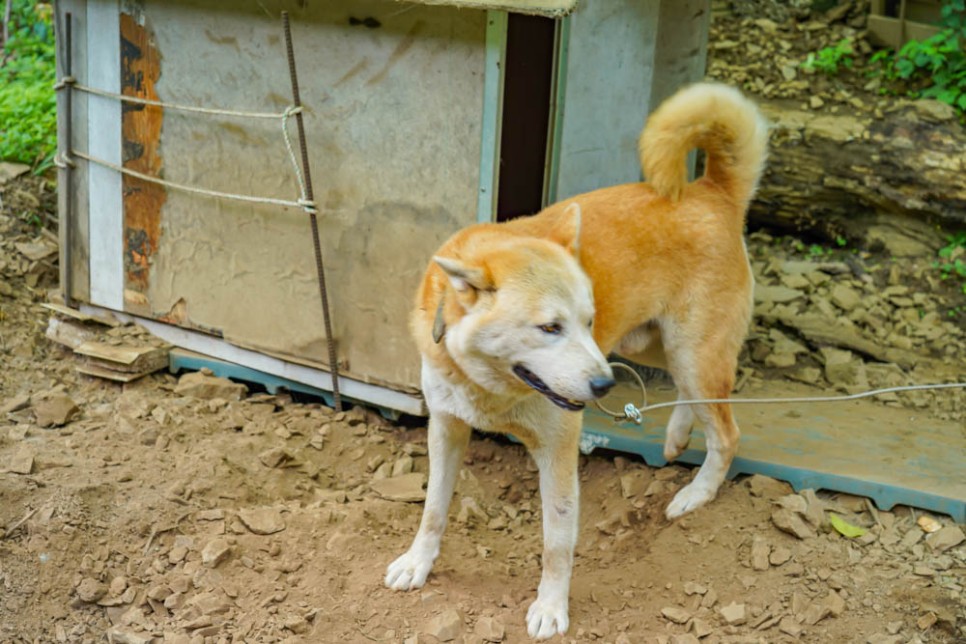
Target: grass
[(28, 108), (951, 260)]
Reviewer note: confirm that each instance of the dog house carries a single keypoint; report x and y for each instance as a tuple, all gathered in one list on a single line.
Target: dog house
[(420, 118)]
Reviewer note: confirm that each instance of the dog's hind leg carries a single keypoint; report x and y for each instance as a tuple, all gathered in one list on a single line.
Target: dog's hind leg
[(644, 345), (712, 377), (448, 438), (559, 491), (678, 429)]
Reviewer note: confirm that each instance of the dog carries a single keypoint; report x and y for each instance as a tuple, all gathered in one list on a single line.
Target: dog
[(514, 321)]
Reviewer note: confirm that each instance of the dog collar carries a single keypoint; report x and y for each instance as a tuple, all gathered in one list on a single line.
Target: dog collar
[(439, 324)]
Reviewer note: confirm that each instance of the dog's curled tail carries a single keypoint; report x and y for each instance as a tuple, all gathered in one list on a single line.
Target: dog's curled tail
[(719, 120)]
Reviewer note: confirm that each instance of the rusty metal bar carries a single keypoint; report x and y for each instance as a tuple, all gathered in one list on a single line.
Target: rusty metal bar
[(310, 196), (67, 220)]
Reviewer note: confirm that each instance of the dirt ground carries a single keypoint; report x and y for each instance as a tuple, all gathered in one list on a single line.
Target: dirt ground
[(191, 510)]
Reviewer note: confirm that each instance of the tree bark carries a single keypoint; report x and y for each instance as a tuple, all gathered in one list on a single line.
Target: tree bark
[(875, 181)]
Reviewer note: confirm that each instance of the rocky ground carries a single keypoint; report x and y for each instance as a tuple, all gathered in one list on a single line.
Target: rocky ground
[(191, 509)]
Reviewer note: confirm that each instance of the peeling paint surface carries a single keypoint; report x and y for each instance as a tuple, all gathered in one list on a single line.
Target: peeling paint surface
[(141, 141), (392, 118)]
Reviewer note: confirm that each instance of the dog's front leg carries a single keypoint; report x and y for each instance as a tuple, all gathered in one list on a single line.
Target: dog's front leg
[(559, 491), (448, 437)]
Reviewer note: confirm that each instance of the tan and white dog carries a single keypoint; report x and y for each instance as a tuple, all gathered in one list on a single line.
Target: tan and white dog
[(514, 321)]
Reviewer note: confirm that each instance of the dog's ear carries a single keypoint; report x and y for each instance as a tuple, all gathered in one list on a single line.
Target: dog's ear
[(464, 278), (566, 232)]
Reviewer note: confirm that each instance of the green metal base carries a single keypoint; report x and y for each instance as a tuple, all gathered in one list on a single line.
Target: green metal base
[(185, 361), (802, 451)]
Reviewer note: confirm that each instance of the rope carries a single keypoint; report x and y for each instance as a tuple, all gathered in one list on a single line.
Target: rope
[(308, 205), (71, 81), (635, 414), (301, 203)]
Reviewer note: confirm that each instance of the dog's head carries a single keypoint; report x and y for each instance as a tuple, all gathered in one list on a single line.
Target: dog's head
[(527, 311)]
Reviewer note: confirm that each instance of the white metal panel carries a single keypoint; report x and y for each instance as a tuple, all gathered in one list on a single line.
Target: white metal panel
[(104, 142), (609, 68), (393, 123), (496, 29)]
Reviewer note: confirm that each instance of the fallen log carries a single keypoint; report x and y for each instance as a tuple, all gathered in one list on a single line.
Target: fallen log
[(875, 179)]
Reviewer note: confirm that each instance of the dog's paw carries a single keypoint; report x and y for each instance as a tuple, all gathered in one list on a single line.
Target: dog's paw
[(690, 498), (409, 571), (547, 618)]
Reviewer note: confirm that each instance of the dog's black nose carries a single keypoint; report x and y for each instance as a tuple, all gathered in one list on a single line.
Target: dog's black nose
[(600, 385)]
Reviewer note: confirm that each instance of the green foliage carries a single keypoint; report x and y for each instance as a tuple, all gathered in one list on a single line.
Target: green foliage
[(934, 67), (952, 259), (828, 59), (28, 109)]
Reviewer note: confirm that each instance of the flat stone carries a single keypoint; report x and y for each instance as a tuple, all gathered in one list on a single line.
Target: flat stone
[(835, 603), (296, 623), (683, 638), (792, 523), (790, 626), (54, 410), (766, 487), (843, 367), (793, 502), (21, 463), (159, 593), (126, 635), (403, 465), (215, 551), (262, 520), (634, 483), (446, 626), (201, 385), (845, 297), (734, 614), (692, 588), (211, 603), (118, 585), (816, 612), (274, 457), (10, 171), (490, 629), (760, 551), (779, 556), (15, 404), (676, 614), (470, 510), (780, 360), (946, 538), (90, 590), (776, 294), (701, 628), (408, 488), (36, 250), (814, 508)]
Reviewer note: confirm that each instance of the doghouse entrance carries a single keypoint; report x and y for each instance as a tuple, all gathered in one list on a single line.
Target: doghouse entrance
[(526, 114)]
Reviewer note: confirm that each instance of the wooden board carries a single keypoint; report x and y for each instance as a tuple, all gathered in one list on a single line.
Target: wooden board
[(111, 374), (66, 311), (125, 358)]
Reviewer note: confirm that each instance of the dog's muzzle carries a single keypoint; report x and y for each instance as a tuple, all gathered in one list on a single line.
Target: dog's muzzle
[(535, 383)]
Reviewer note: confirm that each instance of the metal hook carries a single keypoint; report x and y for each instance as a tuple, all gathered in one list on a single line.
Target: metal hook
[(631, 412)]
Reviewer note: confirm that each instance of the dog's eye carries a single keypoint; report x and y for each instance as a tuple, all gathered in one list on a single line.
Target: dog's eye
[(590, 323), (553, 328)]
